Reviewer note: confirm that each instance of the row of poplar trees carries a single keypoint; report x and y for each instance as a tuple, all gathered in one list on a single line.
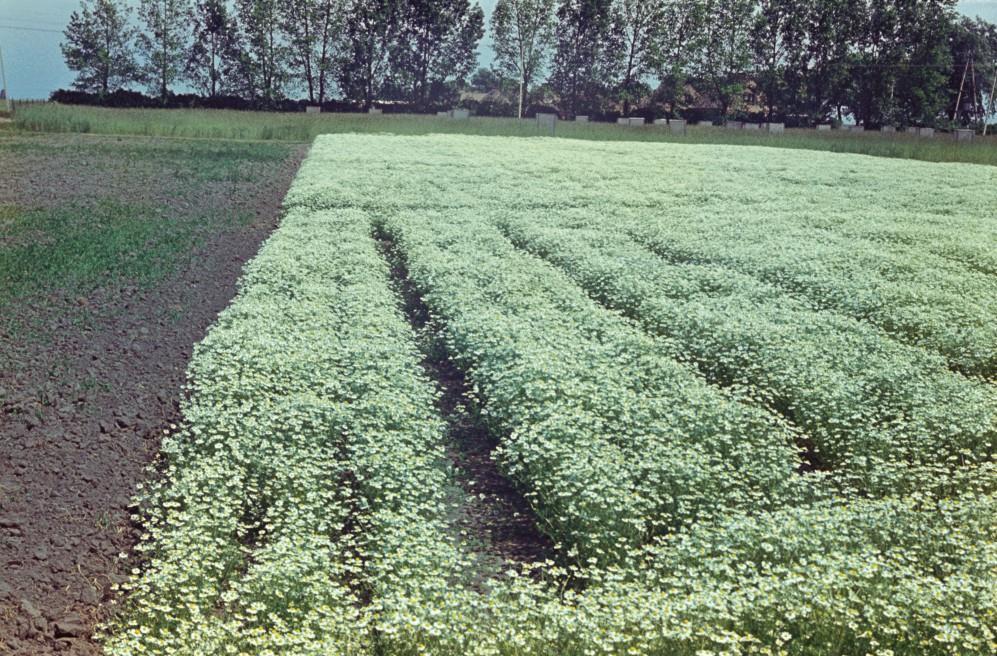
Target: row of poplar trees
[(263, 50), (898, 61)]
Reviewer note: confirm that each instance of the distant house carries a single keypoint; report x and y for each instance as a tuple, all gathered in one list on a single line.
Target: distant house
[(483, 96), (700, 99)]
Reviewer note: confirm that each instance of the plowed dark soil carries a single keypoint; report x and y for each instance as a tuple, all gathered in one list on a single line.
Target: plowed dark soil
[(89, 379)]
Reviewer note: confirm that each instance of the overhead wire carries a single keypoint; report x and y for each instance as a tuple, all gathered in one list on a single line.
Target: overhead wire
[(29, 29)]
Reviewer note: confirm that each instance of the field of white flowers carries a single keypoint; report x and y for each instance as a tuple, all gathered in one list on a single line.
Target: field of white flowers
[(750, 394)]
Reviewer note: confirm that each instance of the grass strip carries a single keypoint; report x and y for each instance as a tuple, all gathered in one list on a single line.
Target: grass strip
[(269, 126)]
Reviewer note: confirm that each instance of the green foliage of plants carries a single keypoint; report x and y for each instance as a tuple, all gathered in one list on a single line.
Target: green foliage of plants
[(304, 504), (221, 124)]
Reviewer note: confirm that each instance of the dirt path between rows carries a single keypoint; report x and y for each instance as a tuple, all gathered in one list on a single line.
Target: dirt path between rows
[(82, 410), (494, 515)]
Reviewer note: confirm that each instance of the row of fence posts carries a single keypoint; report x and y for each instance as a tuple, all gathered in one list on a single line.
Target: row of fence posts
[(546, 123)]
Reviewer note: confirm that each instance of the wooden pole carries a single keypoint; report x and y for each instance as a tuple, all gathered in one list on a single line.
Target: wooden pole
[(958, 98), (6, 106), (976, 106)]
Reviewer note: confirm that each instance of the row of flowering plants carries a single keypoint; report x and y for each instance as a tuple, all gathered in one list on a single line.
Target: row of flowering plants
[(884, 417), (942, 303), (306, 504), (614, 440)]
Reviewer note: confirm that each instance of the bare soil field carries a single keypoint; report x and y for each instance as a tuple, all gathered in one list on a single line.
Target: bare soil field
[(144, 240)]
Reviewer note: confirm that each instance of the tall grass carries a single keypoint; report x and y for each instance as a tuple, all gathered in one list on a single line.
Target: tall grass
[(266, 126)]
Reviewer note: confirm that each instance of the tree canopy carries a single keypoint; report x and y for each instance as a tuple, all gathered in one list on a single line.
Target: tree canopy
[(804, 61)]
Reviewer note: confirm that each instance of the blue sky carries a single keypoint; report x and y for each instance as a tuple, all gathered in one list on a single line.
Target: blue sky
[(30, 32)]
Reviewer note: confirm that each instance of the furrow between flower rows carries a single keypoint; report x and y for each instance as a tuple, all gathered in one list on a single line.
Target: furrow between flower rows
[(309, 476), (616, 442)]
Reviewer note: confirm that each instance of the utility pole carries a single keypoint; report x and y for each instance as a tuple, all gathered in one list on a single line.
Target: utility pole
[(5, 104), (976, 92), (962, 84)]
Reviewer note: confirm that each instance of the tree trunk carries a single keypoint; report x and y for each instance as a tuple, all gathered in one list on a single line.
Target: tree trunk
[(309, 72), (522, 95), (324, 60), (213, 72), (105, 69), (163, 71), (420, 92), (368, 89), (626, 94), (775, 66), (628, 78)]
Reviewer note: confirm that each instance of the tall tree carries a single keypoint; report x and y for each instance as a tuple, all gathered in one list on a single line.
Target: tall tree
[(724, 49), (677, 44), (522, 34), (371, 31), (263, 55), (163, 42), (776, 32), (921, 79), (817, 77), (900, 60), (214, 47), (437, 42), (313, 29), (97, 46), (586, 56), (639, 28)]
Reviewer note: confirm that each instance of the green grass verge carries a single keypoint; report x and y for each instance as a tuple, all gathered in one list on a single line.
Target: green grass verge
[(263, 126), (74, 247), (137, 208)]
